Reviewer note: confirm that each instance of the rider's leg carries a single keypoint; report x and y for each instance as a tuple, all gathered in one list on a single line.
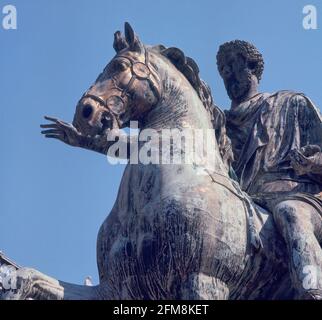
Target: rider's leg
[(300, 225)]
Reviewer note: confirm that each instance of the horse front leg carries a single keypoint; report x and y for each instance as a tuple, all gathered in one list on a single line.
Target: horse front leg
[(30, 284)]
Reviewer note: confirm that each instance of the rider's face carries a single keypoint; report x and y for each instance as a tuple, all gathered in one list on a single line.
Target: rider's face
[(237, 75)]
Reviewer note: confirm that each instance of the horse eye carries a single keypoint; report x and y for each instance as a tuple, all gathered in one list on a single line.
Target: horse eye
[(118, 65), (121, 65)]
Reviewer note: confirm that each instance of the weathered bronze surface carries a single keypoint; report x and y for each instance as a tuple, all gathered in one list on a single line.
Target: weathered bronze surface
[(174, 233)]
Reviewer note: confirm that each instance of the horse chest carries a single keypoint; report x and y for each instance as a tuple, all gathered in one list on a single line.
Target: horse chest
[(167, 231)]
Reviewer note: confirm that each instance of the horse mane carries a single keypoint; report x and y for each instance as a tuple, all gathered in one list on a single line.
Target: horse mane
[(189, 68)]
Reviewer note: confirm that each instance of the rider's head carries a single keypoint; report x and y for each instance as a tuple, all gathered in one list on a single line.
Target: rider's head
[(241, 66)]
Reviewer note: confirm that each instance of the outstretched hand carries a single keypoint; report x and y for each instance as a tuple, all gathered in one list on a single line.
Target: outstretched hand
[(62, 131)]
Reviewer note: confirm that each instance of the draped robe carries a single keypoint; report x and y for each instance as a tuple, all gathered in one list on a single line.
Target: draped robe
[(263, 130)]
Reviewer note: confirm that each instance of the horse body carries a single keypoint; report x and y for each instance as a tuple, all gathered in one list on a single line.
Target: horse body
[(169, 239), (177, 241), (158, 249)]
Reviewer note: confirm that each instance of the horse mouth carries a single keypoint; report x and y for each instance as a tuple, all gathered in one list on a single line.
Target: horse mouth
[(92, 120)]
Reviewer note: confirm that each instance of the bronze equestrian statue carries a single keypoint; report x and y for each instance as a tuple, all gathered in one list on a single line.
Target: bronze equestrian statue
[(179, 231)]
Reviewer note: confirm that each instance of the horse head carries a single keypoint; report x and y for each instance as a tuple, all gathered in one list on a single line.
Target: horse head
[(127, 89)]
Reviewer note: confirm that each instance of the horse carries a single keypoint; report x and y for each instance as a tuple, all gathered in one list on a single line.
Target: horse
[(176, 231)]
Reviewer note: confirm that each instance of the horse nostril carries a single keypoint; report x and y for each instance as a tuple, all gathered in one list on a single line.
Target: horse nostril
[(87, 111)]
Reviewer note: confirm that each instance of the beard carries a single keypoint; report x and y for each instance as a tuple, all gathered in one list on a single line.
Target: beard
[(238, 87)]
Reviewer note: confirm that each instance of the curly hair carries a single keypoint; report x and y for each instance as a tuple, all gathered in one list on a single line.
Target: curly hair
[(246, 49)]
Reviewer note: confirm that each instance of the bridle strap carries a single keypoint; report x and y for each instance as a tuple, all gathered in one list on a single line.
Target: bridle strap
[(95, 98), (128, 86)]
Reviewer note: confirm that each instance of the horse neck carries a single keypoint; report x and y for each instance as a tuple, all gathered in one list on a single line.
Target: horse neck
[(181, 108)]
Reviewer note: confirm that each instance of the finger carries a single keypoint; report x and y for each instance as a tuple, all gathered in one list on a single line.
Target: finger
[(51, 119), (52, 125), (57, 122), (64, 124), (56, 136), (50, 131)]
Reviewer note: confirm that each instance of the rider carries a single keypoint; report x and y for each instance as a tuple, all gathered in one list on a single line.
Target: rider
[(277, 140)]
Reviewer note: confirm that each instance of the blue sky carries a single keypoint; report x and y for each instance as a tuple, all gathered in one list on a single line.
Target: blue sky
[(53, 198)]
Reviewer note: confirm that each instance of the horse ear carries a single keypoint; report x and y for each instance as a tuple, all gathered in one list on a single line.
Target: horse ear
[(119, 42), (132, 39), (175, 55)]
